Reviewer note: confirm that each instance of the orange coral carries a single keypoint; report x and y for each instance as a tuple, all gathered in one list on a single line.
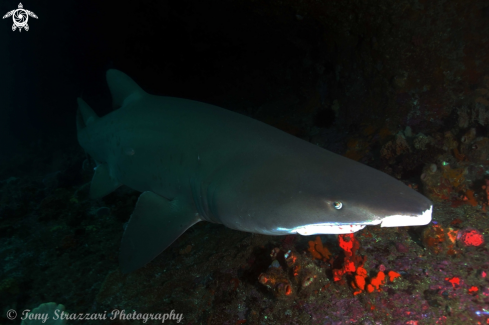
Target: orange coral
[(370, 288), (454, 176), (346, 242), (392, 275), (349, 245), (471, 237), (473, 289), (361, 272), (349, 266), (376, 282), (470, 198), (433, 237), (440, 240), (357, 292), (296, 270), (454, 281), (452, 234), (353, 263), (359, 283), (318, 251), (338, 274)]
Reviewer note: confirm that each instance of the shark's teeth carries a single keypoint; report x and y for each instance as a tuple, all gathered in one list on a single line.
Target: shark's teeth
[(408, 220), (328, 229)]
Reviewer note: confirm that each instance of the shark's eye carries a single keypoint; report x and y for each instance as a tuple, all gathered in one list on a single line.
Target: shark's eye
[(337, 205)]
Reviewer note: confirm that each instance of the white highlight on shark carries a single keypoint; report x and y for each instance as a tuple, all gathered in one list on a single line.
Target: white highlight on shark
[(400, 220)]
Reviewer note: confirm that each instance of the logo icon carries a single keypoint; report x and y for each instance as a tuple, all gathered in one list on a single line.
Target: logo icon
[(20, 17)]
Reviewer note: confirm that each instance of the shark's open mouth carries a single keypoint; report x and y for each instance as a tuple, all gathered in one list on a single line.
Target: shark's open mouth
[(407, 220), (397, 220), (329, 229)]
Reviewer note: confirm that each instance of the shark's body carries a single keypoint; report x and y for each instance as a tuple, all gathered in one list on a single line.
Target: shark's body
[(195, 161)]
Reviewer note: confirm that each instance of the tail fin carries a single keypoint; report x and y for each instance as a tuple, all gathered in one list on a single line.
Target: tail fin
[(85, 115)]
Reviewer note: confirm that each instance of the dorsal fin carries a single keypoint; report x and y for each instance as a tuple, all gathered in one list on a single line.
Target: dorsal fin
[(122, 88), (85, 116)]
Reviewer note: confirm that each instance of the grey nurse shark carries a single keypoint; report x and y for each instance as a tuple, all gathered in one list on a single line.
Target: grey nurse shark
[(194, 161)]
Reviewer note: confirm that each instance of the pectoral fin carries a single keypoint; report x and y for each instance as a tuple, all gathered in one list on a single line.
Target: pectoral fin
[(154, 225), (102, 182)]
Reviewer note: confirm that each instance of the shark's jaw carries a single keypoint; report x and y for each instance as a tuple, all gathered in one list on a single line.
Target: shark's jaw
[(408, 220), (397, 220)]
